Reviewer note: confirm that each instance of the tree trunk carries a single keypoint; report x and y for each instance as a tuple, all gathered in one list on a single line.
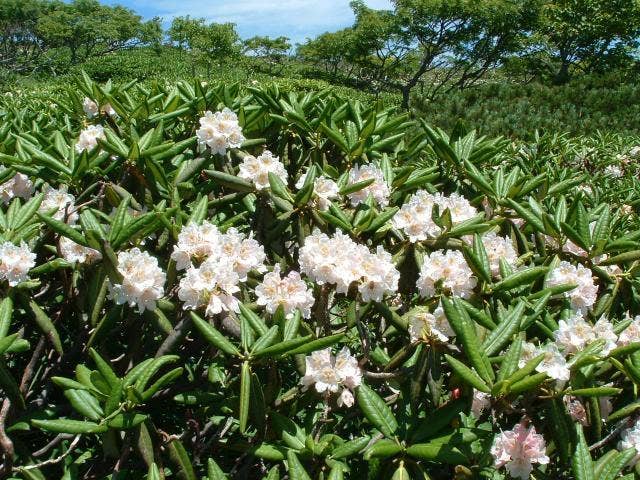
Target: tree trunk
[(406, 92)]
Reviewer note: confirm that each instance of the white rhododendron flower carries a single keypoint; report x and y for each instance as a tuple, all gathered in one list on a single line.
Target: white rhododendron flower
[(90, 107), (603, 330), (528, 353), (379, 189), (212, 285), (257, 169), (584, 296), (17, 186), (460, 208), (340, 261), (88, 139), (15, 262), (448, 269), (497, 248), (196, 242), (142, 280), (324, 190), (330, 374), (219, 131), (415, 216), (61, 202), (290, 292), (243, 253), (631, 334), (73, 252), (574, 334), (630, 438), (518, 450), (424, 324), (553, 364), (224, 260)]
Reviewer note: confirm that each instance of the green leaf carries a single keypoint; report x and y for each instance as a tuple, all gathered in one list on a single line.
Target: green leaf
[(245, 393), (582, 465), (214, 337), (63, 229), (6, 311), (46, 325), (351, 447), (214, 472), (296, 470), (471, 377), (69, 426), (520, 278), (376, 410)]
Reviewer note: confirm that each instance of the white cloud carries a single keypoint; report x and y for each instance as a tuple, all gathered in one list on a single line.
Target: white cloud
[(296, 19)]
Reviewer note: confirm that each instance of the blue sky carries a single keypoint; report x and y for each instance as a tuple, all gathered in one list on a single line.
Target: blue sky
[(296, 19)]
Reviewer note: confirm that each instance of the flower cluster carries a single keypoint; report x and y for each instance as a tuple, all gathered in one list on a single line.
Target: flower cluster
[(61, 202), (448, 269), (518, 450), (224, 261), (17, 186), (340, 261), (89, 137), (324, 190), (584, 295), (630, 438), (379, 189), (91, 108), (553, 363), (15, 262), (220, 131), (498, 248), (73, 252), (329, 373), (142, 280), (290, 292), (257, 169), (415, 217), (575, 333), (426, 325)]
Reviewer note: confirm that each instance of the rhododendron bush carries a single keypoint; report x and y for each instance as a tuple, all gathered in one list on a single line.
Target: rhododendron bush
[(202, 281)]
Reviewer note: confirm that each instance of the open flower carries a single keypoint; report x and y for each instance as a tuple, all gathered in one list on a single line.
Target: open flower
[(88, 139), (73, 252), (219, 131), (257, 169), (424, 325), (17, 186), (340, 261), (585, 293), (330, 374), (15, 262), (290, 292), (518, 450), (379, 189), (142, 280), (448, 269)]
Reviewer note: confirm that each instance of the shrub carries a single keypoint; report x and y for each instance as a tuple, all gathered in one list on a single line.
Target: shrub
[(201, 280)]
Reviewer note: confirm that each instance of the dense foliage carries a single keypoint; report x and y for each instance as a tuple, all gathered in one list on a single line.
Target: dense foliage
[(38, 35), (203, 280)]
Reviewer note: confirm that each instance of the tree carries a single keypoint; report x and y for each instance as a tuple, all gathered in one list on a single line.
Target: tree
[(19, 45), (587, 35), (331, 51), (458, 41), (271, 50), (212, 43)]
